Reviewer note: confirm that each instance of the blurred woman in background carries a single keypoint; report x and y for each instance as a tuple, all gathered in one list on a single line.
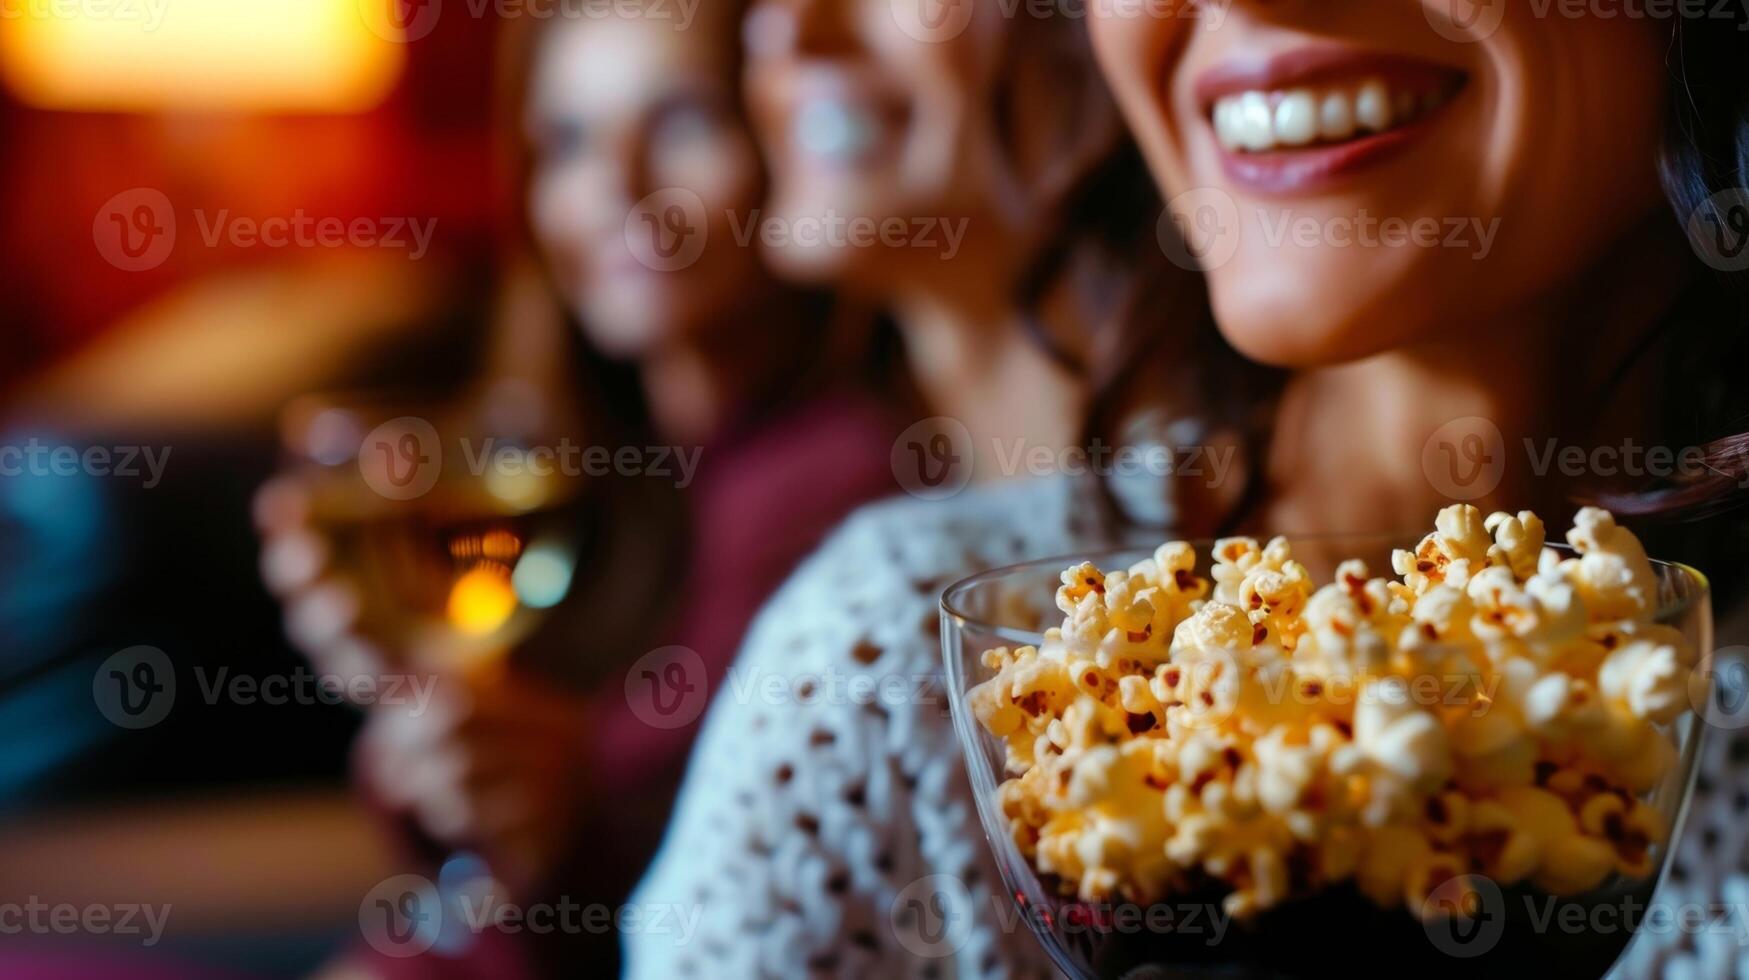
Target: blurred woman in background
[(809, 806), (680, 339)]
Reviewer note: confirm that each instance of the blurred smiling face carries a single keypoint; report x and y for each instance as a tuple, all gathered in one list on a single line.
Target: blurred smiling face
[(622, 108), (864, 119), (1363, 175)]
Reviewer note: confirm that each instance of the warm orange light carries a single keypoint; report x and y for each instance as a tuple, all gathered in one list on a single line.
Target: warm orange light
[(286, 55), (481, 602)]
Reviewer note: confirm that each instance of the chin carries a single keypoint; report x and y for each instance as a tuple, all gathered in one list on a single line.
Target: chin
[(625, 331), (1283, 333), (1286, 312), (812, 265)]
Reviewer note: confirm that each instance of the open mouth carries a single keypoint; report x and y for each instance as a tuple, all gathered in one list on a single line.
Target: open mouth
[(842, 126), (1315, 113)]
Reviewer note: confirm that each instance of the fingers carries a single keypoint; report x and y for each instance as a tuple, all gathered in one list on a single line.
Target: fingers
[(282, 504), (474, 775), (292, 559), (321, 614)]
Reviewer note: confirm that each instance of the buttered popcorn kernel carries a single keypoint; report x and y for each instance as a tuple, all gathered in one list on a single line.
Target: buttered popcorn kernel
[(1494, 710)]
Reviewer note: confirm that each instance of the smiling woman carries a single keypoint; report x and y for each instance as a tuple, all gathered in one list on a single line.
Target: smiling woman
[(1413, 368), (1546, 124)]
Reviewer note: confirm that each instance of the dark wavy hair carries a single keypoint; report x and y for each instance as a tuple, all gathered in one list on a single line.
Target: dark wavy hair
[(1705, 169)]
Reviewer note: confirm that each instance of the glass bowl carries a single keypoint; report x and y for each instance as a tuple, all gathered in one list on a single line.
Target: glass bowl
[(1513, 932)]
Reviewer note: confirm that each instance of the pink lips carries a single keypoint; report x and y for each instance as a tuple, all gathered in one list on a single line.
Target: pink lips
[(1304, 168)]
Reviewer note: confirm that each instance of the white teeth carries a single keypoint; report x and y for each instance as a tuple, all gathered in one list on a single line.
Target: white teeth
[(1296, 118), (1227, 124), (834, 130), (1259, 121), (1336, 117), (1372, 107), (1255, 122)]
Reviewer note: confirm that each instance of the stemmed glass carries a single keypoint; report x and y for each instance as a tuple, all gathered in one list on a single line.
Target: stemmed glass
[(454, 524), (1337, 932)]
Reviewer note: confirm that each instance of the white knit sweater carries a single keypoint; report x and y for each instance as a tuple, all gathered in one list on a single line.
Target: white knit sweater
[(826, 826)]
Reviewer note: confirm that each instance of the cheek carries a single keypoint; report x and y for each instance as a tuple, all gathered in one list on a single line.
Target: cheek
[(1581, 124), (1137, 56), (555, 214)]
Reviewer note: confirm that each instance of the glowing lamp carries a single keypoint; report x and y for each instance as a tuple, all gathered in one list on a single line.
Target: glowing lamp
[(249, 55)]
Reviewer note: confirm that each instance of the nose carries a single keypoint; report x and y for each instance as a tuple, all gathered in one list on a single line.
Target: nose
[(614, 179), (801, 28)]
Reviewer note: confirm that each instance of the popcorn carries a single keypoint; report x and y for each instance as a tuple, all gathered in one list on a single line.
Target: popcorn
[(1518, 542), (1611, 574), (1458, 545), (1399, 737), (1649, 676), (1178, 729)]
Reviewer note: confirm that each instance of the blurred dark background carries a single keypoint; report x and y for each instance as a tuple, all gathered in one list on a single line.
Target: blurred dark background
[(222, 109)]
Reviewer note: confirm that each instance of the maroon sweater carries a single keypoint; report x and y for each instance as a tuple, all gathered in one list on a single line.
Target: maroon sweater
[(763, 498)]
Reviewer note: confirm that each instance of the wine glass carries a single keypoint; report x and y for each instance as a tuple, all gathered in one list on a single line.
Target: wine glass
[(1334, 932), (454, 523)]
